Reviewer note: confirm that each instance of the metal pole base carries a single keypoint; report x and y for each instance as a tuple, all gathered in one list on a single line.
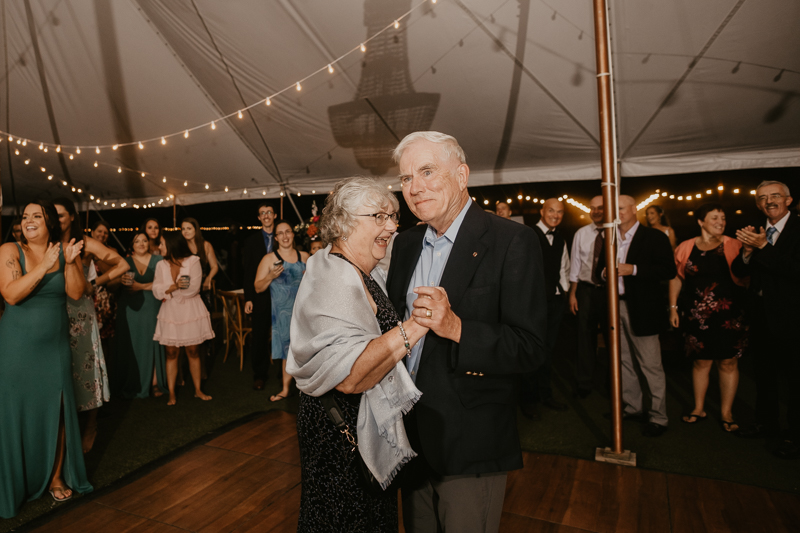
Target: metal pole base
[(606, 455)]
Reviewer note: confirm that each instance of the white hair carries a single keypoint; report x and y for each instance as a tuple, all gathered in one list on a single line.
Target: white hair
[(348, 197), (449, 144), (772, 182)]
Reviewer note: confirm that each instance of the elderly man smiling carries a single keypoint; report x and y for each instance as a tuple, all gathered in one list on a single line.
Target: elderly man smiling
[(476, 280)]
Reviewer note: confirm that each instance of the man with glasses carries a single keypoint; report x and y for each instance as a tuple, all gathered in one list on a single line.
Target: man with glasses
[(476, 280), (259, 306), (771, 257)]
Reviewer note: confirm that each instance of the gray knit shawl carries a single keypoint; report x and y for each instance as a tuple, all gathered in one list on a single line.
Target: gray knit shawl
[(332, 324)]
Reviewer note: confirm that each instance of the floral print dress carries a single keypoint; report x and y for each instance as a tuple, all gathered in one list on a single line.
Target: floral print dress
[(713, 320)]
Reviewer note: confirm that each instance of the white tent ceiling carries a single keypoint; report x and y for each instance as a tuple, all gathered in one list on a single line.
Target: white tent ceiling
[(700, 86)]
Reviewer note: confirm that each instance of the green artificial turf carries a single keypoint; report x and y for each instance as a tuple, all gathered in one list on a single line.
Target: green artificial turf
[(135, 434)]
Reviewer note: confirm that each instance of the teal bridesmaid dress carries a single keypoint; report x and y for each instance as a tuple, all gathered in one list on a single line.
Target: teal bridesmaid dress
[(137, 354), (36, 379)]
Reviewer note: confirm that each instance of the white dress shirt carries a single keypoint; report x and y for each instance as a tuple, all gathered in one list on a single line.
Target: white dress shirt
[(624, 243), (779, 225), (583, 254), (563, 278)]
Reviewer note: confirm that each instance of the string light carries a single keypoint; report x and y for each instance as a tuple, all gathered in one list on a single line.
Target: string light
[(330, 70), (206, 185), (363, 47), (41, 146), (141, 146), (50, 177), (269, 102), (213, 125), (240, 115), (77, 150), (186, 134), (298, 86), (164, 180), (226, 188), (119, 170), (720, 188), (27, 161), (115, 147), (185, 183), (58, 148), (396, 24), (97, 150), (163, 140), (735, 191), (95, 164)]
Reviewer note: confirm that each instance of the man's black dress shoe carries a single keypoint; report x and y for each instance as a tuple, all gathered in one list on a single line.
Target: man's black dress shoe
[(654, 430), (555, 405), (530, 412), (632, 417), (258, 384), (788, 449)]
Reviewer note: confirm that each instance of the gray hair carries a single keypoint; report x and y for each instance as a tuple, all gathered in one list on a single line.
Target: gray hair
[(449, 144), (772, 182), (348, 197)]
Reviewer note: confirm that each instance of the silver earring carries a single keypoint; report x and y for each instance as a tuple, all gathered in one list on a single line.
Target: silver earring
[(344, 238)]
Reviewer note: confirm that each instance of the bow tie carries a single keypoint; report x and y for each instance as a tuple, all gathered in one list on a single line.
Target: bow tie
[(550, 232)]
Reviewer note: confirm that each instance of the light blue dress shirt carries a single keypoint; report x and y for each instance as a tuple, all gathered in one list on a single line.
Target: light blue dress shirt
[(428, 272)]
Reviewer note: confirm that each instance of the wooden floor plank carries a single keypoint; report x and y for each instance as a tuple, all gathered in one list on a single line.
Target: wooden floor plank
[(717, 506), (96, 517), (523, 524), (588, 495), (280, 517), (259, 436)]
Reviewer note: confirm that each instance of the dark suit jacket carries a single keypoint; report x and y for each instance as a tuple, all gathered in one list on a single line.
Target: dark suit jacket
[(646, 292), (466, 418), (775, 271), (254, 250)]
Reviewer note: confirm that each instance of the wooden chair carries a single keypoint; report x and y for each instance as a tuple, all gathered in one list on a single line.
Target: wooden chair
[(235, 326)]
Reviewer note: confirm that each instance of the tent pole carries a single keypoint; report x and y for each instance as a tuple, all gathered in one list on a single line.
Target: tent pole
[(610, 187)]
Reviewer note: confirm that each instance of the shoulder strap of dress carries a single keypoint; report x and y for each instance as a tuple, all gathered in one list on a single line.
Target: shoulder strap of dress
[(277, 254), (299, 259)]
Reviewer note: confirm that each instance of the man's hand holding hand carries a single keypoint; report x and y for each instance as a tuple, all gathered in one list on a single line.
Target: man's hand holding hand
[(432, 310)]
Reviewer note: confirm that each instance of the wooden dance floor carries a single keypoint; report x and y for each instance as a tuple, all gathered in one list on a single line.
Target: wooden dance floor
[(248, 480)]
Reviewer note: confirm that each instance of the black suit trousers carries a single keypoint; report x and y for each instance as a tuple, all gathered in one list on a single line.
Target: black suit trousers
[(260, 347), (777, 369), (591, 314), (536, 386)]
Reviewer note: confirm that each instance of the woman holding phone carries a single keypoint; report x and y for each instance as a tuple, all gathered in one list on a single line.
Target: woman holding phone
[(183, 319), (281, 271)]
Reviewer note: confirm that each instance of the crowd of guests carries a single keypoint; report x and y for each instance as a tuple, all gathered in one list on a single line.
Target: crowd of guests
[(411, 375), (727, 296)]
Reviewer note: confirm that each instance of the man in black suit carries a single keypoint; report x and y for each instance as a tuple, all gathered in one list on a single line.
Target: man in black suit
[(771, 258), (255, 304), (475, 280), (645, 263), (535, 387)]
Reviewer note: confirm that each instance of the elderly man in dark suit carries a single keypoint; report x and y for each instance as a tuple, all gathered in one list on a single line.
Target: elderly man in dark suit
[(259, 305), (645, 263), (476, 281), (771, 257)]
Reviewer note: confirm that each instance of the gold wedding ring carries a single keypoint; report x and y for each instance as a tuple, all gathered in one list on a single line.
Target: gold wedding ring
[(429, 313)]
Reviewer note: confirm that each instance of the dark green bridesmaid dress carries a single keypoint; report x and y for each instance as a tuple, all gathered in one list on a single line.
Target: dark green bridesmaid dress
[(35, 378), (136, 353)]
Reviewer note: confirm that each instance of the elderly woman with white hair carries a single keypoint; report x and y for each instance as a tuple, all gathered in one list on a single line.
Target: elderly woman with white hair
[(347, 344)]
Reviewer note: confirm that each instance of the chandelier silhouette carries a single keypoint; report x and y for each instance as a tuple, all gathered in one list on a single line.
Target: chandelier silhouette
[(386, 107)]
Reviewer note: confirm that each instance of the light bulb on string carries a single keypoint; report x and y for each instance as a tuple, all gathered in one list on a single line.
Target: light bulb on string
[(164, 179), (268, 102), (245, 191), (396, 24), (41, 146), (95, 164), (142, 174), (78, 150), (19, 141), (330, 69), (115, 147), (119, 170), (24, 143), (206, 186), (27, 161), (45, 149), (10, 138), (213, 125), (240, 115), (43, 169), (64, 183), (80, 190), (363, 47), (185, 183), (50, 177), (58, 148), (97, 150), (163, 140), (298, 86), (186, 134), (16, 152), (226, 189), (141, 146)]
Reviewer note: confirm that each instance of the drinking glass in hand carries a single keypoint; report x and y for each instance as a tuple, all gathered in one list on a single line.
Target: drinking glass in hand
[(183, 282), (127, 279)]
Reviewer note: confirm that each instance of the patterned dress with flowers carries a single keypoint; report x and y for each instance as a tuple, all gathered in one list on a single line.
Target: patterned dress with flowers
[(713, 320)]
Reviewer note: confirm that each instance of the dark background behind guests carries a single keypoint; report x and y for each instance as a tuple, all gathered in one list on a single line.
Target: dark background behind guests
[(684, 224)]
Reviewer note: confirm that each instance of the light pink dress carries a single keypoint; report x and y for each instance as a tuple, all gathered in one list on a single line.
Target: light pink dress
[(183, 319)]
